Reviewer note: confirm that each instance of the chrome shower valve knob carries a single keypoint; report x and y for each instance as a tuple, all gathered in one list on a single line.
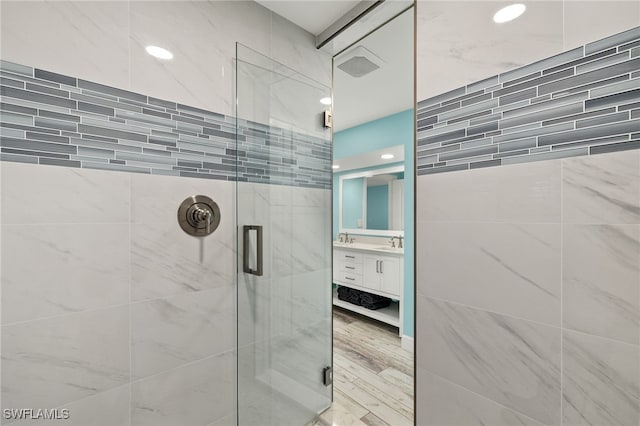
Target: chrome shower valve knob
[(199, 215)]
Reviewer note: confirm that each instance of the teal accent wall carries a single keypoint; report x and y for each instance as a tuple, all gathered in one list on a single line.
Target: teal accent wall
[(352, 208), (382, 133), (388, 131), (378, 207)]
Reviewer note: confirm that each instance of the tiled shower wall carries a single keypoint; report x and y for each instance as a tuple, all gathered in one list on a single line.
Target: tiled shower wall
[(528, 279), (528, 301), (108, 307), (584, 101), (52, 119)]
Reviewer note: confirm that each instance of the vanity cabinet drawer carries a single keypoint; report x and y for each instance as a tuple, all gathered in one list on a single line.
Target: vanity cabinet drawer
[(347, 278), (349, 257), (352, 267)]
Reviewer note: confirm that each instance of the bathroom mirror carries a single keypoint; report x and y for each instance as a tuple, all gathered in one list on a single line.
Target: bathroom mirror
[(372, 202)]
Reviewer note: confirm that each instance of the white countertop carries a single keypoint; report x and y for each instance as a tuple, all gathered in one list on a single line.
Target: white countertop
[(378, 248)]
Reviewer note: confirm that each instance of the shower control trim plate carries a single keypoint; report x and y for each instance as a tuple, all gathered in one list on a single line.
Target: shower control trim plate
[(199, 215)]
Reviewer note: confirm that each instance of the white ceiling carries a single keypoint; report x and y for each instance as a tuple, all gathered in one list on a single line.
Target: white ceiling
[(312, 15), (385, 91)]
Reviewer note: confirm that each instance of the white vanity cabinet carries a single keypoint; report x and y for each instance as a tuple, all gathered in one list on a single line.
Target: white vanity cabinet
[(374, 270)]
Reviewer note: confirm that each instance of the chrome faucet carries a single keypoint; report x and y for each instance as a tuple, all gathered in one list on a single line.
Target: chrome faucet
[(345, 235), (400, 238)]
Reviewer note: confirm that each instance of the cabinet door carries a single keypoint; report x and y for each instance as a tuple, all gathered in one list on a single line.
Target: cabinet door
[(371, 272), (390, 275)]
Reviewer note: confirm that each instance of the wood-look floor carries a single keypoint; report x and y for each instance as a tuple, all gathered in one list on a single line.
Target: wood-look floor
[(373, 375)]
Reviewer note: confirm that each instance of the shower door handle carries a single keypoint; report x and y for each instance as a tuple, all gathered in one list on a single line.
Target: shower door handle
[(246, 267)]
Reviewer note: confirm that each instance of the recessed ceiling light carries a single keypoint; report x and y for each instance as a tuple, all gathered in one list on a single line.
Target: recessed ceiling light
[(387, 156), (325, 101), (335, 166), (159, 52), (509, 13)]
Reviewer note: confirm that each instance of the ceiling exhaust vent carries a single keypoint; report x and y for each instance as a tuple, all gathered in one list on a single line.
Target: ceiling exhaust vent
[(359, 62)]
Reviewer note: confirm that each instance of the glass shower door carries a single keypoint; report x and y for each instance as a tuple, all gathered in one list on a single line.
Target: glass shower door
[(284, 244)]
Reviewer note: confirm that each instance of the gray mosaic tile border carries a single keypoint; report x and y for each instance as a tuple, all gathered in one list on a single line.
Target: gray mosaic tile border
[(581, 102), (52, 119)]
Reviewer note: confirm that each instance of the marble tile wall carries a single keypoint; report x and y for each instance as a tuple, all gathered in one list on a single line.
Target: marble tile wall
[(109, 308), (459, 44), (580, 102), (130, 321), (527, 272), (528, 293), (107, 42)]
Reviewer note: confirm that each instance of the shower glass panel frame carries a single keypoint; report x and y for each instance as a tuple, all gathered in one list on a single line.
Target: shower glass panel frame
[(283, 211)]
